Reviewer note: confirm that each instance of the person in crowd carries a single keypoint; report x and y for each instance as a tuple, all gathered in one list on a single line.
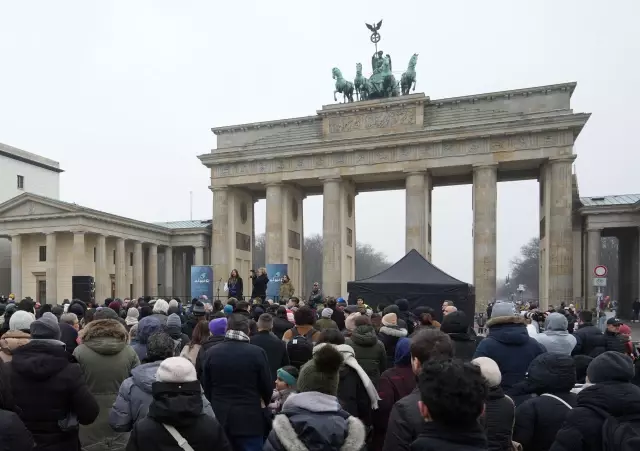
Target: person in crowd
[(257, 309), (274, 348), (315, 297), (426, 318), (286, 384), (132, 318), (176, 414), (499, 413), (237, 380), (337, 314), (551, 377), (389, 334), (457, 326), (218, 330), (19, 334), (135, 393), (369, 351), (556, 337), (115, 306), (280, 322), (452, 398), (350, 320), (133, 336), (314, 419), (448, 310), (613, 340), (146, 327), (27, 305), (286, 288), (259, 280), (582, 362), (69, 327), (325, 321), (175, 308), (197, 315), (242, 308), (393, 308), (611, 399), (234, 285), (49, 389), (625, 334), (446, 304), (161, 311), (508, 344), (174, 329), (406, 315), (200, 335), (8, 313), (589, 338), (304, 323), (406, 421), (636, 310), (106, 360), (14, 436), (79, 308)]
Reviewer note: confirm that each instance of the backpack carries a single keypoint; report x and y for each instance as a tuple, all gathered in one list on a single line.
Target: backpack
[(619, 433), (300, 347)]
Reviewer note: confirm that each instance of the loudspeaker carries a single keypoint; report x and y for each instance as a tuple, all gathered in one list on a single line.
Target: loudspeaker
[(83, 288)]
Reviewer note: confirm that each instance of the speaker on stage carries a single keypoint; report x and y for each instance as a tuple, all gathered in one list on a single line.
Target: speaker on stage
[(83, 288)]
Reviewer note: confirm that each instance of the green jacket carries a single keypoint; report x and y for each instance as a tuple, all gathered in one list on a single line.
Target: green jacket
[(106, 360), (370, 352), (325, 323)]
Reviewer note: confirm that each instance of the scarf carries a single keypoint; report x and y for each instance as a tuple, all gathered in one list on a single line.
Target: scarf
[(349, 360), (237, 335)]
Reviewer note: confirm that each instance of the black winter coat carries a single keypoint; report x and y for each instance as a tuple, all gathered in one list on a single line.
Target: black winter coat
[(182, 409), (48, 386), (498, 420), (405, 423), (253, 328), (206, 345), (464, 346), (236, 377), (14, 436), (436, 437), (353, 396), (259, 287), (582, 429), (275, 349), (281, 325), (389, 337), (339, 318)]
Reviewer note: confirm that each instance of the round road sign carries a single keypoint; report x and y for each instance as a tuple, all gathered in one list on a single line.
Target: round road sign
[(600, 271)]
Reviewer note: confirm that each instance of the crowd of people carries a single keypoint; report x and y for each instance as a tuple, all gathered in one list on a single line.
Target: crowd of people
[(314, 374)]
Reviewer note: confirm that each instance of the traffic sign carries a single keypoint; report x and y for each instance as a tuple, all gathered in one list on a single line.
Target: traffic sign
[(599, 281), (600, 271)]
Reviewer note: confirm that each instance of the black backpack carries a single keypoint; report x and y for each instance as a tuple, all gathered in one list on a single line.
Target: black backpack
[(300, 347), (620, 433)]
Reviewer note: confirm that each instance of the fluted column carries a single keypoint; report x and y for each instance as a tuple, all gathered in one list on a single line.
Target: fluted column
[(593, 260), (274, 252), (168, 271), (52, 269), (417, 213), (199, 256), (152, 270), (179, 274), (219, 234), (101, 276), (331, 238), (121, 279), (138, 276), (485, 200), (16, 266)]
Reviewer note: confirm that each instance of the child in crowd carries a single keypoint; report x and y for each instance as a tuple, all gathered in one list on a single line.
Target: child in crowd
[(285, 385)]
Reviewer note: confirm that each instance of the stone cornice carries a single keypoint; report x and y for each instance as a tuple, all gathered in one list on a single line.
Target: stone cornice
[(524, 92), (264, 124)]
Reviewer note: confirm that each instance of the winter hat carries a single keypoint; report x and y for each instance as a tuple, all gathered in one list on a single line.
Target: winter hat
[(161, 306), (390, 320), (105, 313), (173, 303), (176, 370), (391, 309), (551, 372), (503, 309), (132, 316), (21, 320), (145, 310), (321, 372), (57, 310), (489, 369), (228, 309), (625, 330), (327, 312), (77, 309), (45, 328), (403, 305), (455, 323), (582, 363), (198, 309), (160, 346), (218, 327), (611, 366), (340, 301), (174, 321), (115, 306), (403, 352)]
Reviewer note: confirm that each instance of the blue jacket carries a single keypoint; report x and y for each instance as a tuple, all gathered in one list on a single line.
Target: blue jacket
[(510, 345), (146, 326)]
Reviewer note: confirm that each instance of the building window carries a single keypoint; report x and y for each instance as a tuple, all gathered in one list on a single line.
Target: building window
[(131, 259), (349, 237), (20, 182), (42, 253), (294, 239), (243, 242)]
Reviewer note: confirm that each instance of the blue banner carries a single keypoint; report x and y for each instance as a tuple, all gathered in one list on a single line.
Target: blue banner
[(275, 271), (202, 282)]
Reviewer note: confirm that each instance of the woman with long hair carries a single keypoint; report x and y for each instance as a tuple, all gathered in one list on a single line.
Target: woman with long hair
[(200, 334), (260, 281), (234, 285)]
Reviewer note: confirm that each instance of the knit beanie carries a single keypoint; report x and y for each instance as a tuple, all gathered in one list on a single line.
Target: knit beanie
[(228, 309), (174, 321), (161, 306), (390, 320), (455, 322), (160, 346), (45, 328), (321, 372), (218, 326), (503, 309), (21, 320), (198, 309), (611, 366), (403, 352), (489, 369), (145, 310), (77, 309), (132, 316), (327, 312), (105, 313), (582, 363), (115, 306), (176, 370), (391, 309)]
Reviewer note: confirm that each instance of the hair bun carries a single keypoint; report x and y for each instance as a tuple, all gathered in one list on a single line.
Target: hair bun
[(327, 359)]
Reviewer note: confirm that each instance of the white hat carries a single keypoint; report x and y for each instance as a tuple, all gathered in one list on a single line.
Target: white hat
[(176, 370), (489, 369), (21, 320)]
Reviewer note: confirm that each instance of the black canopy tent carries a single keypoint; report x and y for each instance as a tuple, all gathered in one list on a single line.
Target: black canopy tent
[(417, 280)]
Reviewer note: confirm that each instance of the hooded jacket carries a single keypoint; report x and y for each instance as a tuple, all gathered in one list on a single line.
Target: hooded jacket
[(11, 341), (498, 420), (405, 315), (438, 437), (511, 347), (389, 336), (555, 337), (456, 325), (315, 421), (146, 326), (369, 351), (106, 361), (589, 340), (281, 324)]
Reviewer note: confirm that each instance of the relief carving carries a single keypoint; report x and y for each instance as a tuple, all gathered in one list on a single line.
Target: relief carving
[(385, 119)]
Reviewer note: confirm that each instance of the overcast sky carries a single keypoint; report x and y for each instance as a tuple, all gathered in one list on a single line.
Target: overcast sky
[(124, 93)]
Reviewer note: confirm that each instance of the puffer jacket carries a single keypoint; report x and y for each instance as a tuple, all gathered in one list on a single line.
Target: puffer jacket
[(14, 436), (369, 351), (538, 419), (106, 361), (281, 324), (405, 315), (146, 326), (11, 341), (498, 420), (389, 337), (555, 337), (511, 347), (315, 421), (589, 340), (135, 396), (457, 326)]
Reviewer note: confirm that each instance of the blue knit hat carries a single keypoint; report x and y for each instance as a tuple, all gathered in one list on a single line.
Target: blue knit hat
[(403, 352), (228, 309)]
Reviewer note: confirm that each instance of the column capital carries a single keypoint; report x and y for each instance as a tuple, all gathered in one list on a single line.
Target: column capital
[(280, 184), (331, 178), (485, 166), (563, 159), (219, 188), (409, 172)]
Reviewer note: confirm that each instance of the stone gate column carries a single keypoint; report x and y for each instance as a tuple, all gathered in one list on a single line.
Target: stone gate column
[(485, 200), (199, 256), (138, 278), (79, 264), (219, 236), (417, 213), (52, 269), (16, 267), (594, 237), (560, 231), (168, 271), (121, 274), (102, 277), (274, 229), (331, 237), (152, 270)]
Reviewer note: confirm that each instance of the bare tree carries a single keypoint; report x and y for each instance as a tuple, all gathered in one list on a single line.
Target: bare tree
[(525, 270)]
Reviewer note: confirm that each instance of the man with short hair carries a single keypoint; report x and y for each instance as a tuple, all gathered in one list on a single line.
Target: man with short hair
[(589, 338), (237, 380), (274, 347), (406, 421), (316, 296), (449, 309), (69, 327)]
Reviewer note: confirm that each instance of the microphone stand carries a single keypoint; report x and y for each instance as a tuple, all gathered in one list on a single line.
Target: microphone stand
[(218, 290)]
